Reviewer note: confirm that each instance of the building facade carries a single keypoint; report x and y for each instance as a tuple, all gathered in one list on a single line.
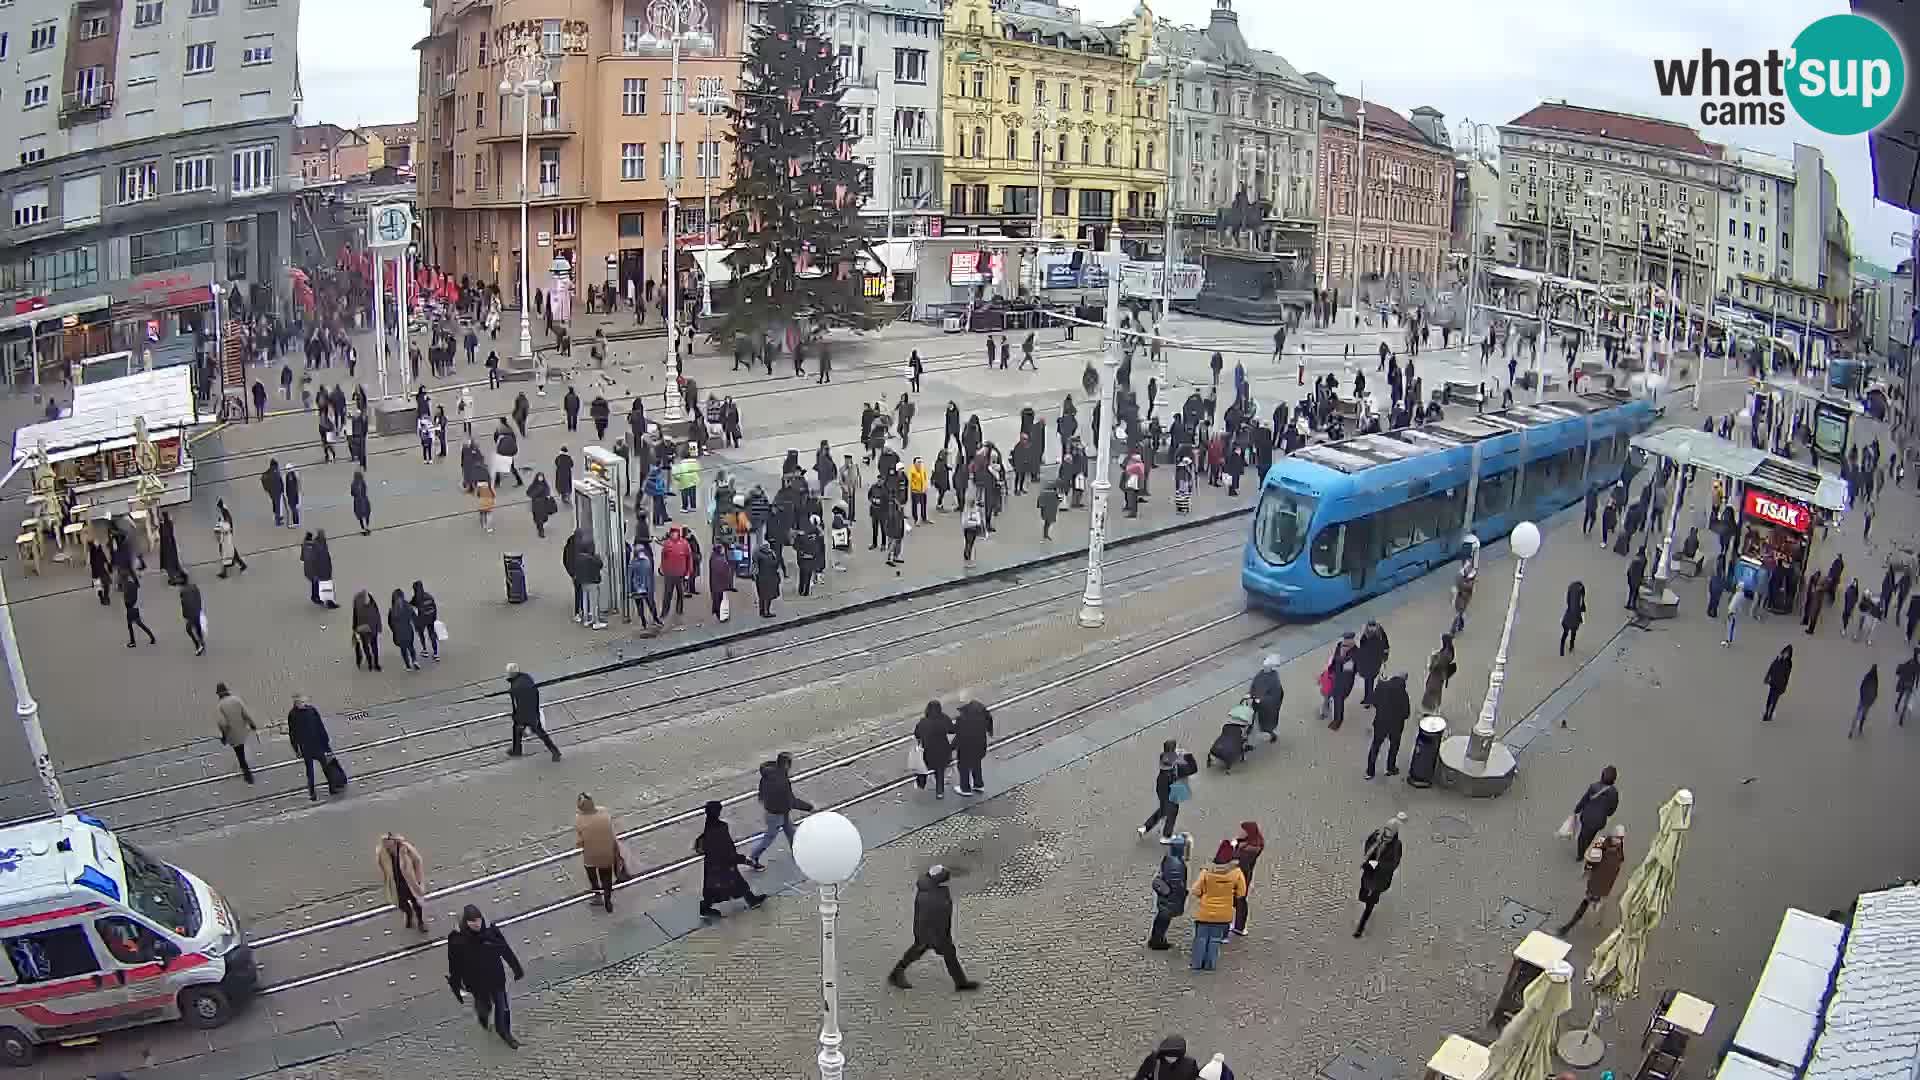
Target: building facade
[(1612, 198), (1395, 225), (1477, 205), (1787, 258), (597, 155), (1041, 124), (146, 159), (327, 152), (1244, 129), (889, 51)]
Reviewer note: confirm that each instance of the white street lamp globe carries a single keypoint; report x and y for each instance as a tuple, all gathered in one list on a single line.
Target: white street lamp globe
[(1526, 540), (827, 847), (506, 87), (546, 87)]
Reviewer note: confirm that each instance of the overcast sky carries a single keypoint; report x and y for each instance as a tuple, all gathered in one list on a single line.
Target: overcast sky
[(358, 67)]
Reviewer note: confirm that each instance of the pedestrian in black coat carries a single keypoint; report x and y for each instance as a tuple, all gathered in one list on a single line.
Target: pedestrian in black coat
[(308, 734), (1574, 615), (1636, 576), (766, 577), (1596, 805), (972, 728), (276, 489), (1368, 658), (362, 504), (720, 858), (477, 958), (1169, 1061), (602, 414), (523, 695), (571, 403), (1391, 708), (1377, 867), (540, 500), (1169, 892), (563, 475), (934, 735), (1869, 693), (932, 930), (170, 551), (191, 610), (521, 409), (130, 598), (102, 573), (1779, 674)]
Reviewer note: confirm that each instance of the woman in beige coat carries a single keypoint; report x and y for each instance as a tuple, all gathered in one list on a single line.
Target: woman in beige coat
[(404, 873), (599, 848)]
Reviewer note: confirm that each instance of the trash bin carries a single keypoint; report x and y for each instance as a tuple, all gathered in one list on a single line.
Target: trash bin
[(515, 565), (1426, 751)]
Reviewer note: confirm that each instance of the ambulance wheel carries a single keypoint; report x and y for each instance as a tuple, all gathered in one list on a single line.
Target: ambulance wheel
[(205, 1006), (16, 1050)]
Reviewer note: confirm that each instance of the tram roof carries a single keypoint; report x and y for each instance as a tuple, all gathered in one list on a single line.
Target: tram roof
[(1364, 452)]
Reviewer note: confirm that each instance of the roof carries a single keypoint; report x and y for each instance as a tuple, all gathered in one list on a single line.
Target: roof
[(1872, 1027), (1072, 29), (30, 859), (105, 410), (1617, 125), (1379, 117), (1762, 162), (1221, 44), (407, 131), (316, 138)]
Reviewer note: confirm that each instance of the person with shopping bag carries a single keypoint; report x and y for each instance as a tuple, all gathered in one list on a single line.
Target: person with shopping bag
[(931, 750), (1170, 788)]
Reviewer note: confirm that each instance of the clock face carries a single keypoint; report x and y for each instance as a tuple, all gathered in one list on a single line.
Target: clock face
[(393, 224)]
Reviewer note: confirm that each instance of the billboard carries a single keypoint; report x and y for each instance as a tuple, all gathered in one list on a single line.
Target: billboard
[(964, 268)]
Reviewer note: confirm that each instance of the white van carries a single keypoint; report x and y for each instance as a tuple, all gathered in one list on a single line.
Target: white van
[(97, 935)]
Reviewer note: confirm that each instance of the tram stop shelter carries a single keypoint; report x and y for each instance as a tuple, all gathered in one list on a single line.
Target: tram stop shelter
[(1779, 502)]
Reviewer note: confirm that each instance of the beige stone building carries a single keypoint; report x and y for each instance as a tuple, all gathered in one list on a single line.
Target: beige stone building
[(597, 150)]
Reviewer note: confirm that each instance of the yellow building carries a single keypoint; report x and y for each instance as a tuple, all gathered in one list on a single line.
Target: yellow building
[(1047, 125)]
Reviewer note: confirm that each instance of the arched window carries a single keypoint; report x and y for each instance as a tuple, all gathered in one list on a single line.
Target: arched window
[(979, 142), (1149, 155), (1136, 155), (1086, 148), (1109, 152), (1013, 143)]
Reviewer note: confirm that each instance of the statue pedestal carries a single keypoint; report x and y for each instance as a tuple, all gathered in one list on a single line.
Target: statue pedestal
[(1476, 779)]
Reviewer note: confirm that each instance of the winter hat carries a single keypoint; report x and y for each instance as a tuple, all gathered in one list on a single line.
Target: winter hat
[(470, 913), (1216, 1069), (1223, 853), (1272, 661)]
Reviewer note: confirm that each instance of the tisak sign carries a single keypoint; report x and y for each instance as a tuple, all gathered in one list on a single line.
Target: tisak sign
[(1779, 511)]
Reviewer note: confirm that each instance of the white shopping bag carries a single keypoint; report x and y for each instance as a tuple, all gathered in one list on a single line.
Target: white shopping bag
[(203, 624), (726, 607), (440, 631), (326, 591)]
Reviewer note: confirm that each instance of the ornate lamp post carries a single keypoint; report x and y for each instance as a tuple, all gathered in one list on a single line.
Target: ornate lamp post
[(671, 24), (1092, 614), (828, 849), (524, 76)]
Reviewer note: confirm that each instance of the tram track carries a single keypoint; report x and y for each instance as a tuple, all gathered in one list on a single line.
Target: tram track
[(717, 664), (839, 764)]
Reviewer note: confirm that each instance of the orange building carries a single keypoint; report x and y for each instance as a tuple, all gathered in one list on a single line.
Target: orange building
[(596, 147)]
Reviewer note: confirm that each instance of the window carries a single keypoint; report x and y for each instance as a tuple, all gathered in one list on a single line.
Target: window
[(1086, 99), (196, 114), (146, 13), (197, 8), (1060, 153), (1086, 150), (979, 142), (93, 27), (1013, 144), (200, 58), (1062, 200), (29, 207), (1496, 496), (633, 97), (550, 170), (706, 162), (43, 36), (1112, 97), (193, 173), (550, 37), (979, 84), (1109, 152), (33, 148), (633, 161), (566, 221), (257, 49), (141, 68), (1066, 96), (3, 42), (138, 183), (1019, 200), (671, 168), (51, 955), (1013, 89), (166, 249), (479, 173), (910, 65), (633, 225), (253, 169), (479, 109)]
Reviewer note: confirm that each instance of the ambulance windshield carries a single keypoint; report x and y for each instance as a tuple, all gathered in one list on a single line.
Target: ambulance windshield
[(159, 892)]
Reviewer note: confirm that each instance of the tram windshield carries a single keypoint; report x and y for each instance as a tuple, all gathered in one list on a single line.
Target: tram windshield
[(1280, 527)]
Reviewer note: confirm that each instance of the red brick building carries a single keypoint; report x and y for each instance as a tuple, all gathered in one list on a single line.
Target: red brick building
[(1405, 206)]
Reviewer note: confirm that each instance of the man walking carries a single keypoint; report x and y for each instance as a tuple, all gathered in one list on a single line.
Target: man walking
[(972, 727), (1391, 708), (1599, 802), (236, 726), (477, 958), (932, 930), (308, 734), (778, 802), (524, 693), (1869, 693)]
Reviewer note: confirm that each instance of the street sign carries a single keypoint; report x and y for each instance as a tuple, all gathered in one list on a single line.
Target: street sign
[(390, 226)]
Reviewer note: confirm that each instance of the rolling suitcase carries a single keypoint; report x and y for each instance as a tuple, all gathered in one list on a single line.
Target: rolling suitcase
[(516, 570), (336, 775)]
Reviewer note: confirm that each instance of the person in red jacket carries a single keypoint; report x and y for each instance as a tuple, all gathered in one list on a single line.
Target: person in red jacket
[(676, 565)]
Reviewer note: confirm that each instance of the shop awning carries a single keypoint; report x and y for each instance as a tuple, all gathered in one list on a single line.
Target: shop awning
[(56, 311), (1709, 452), (104, 411)]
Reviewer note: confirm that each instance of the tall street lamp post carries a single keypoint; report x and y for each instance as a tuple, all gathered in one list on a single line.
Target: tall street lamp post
[(1092, 614), (828, 849), (25, 706), (670, 24), (1525, 542), (525, 76), (1359, 200), (708, 103)]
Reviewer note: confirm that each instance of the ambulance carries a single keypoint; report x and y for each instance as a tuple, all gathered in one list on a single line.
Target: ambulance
[(97, 935)]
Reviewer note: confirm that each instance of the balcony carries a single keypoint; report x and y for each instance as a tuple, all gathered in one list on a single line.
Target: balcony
[(539, 128), (86, 106), (869, 81), (916, 144)]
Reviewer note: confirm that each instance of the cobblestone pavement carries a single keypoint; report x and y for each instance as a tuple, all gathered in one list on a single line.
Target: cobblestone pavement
[(1052, 898)]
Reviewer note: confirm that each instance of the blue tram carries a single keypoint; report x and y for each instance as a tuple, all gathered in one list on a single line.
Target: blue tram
[(1339, 522)]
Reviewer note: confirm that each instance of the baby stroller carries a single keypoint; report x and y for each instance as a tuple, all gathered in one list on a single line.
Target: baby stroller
[(1183, 486), (1230, 747)]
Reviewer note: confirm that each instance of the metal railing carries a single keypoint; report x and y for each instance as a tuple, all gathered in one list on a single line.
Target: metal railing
[(916, 144), (91, 103)]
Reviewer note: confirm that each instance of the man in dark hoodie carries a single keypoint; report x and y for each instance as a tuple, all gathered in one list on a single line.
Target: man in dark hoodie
[(1169, 1061), (1391, 708), (932, 930), (477, 958), (779, 802), (524, 693), (972, 727)]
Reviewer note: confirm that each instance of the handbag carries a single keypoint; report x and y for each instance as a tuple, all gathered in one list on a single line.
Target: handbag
[(916, 763), (1566, 830), (1079, 482), (326, 591), (1132, 482), (1326, 683), (1179, 792), (440, 631), (726, 607)]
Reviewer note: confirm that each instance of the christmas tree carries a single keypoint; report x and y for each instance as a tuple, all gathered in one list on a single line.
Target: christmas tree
[(793, 213)]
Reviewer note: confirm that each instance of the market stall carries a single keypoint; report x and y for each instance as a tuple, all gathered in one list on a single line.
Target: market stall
[(1781, 502), (94, 448)]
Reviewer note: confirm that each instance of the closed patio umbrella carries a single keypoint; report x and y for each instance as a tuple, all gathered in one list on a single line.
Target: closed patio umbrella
[(1524, 1050)]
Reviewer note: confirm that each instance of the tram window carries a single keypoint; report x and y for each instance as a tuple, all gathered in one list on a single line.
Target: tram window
[(59, 953), (1551, 473), (1398, 527), (1280, 529), (1329, 546), (1438, 515), (1496, 495)]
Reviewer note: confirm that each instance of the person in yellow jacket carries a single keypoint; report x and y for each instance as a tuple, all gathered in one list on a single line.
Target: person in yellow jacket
[(1214, 894), (686, 480), (917, 489)]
